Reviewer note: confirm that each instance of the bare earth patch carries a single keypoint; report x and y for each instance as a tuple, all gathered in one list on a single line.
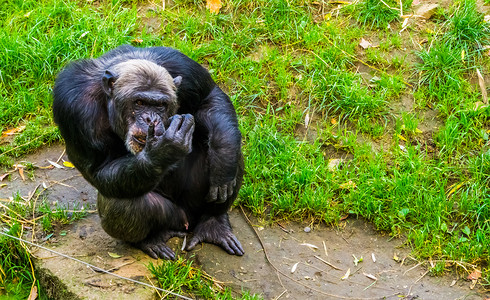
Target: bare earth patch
[(384, 268)]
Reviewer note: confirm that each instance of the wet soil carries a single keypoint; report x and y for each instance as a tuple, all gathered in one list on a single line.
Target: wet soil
[(320, 258)]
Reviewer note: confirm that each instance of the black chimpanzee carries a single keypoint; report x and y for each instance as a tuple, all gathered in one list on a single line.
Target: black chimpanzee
[(151, 130)]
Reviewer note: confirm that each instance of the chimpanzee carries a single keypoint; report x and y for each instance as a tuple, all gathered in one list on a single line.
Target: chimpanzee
[(159, 140)]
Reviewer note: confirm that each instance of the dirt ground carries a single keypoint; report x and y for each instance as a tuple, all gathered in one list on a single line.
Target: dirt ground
[(320, 258)]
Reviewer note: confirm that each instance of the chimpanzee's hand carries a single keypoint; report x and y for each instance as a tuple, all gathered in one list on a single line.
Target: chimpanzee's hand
[(219, 193), (174, 143)]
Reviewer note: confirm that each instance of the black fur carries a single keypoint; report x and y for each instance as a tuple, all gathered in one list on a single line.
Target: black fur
[(190, 169)]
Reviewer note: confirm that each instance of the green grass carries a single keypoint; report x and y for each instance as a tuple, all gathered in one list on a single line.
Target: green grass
[(284, 63), (15, 272), (183, 278), (379, 14)]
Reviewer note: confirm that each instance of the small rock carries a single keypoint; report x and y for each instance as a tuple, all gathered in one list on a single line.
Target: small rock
[(427, 10), (307, 229)]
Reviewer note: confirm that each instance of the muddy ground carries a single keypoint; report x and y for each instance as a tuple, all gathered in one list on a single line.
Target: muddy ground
[(385, 272)]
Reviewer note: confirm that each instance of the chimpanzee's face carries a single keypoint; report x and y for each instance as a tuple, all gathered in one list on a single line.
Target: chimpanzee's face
[(143, 96)]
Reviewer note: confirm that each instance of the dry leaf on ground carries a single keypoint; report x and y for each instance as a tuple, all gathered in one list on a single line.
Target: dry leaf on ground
[(347, 274), (475, 275), (293, 269), (68, 164), (58, 166), (483, 88), (13, 131), (426, 10), (213, 5), (365, 44)]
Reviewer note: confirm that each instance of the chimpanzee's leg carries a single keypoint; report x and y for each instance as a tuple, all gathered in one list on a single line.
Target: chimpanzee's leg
[(147, 222), (213, 225)]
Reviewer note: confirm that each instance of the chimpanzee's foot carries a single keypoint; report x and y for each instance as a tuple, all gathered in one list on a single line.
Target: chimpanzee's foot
[(216, 230), (154, 245)]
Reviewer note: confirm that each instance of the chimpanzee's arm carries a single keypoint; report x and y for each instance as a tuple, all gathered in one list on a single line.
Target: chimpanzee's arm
[(219, 119)]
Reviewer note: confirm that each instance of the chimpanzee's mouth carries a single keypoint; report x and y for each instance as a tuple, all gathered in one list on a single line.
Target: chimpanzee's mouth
[(139, 139)]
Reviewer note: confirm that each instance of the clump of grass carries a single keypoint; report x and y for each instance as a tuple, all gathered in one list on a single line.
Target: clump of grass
[(350, 98), (441, 69), (379, 14), (15, 272), (182, 278), (467, 28), (59, 215), (408, 124)]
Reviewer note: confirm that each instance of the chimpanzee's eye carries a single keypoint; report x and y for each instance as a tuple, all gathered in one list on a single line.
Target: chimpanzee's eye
[(139, 102)]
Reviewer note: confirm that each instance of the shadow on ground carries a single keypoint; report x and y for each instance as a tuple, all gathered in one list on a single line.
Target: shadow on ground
[(320, 257)]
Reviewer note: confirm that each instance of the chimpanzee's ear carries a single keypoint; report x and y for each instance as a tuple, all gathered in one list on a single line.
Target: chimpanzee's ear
[(108, 80), (177, 81)]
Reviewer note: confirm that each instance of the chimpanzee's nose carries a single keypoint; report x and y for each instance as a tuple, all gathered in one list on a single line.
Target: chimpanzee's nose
[(151, 118)]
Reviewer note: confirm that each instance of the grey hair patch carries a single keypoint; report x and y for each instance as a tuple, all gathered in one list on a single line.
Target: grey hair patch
[(141, 74)]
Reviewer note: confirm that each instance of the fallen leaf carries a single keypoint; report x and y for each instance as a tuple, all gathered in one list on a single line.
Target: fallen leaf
[(426, 10), (463, 54), (453, 282), (475, 275), (333, 121), (483, 88), (365, 44), (114, 255), (13, 131), (401, 137), (68, 164), (21, 173), (55, 165), (416, 2), (137, 41), (3, 176), (313, 247), (45, 186), (348, 185), (373, 257), (307, 120), (347, 274), (213, 5), (370, 276), (293, 269)]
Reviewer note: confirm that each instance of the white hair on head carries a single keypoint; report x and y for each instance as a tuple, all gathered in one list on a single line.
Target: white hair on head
[(137, 74)]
